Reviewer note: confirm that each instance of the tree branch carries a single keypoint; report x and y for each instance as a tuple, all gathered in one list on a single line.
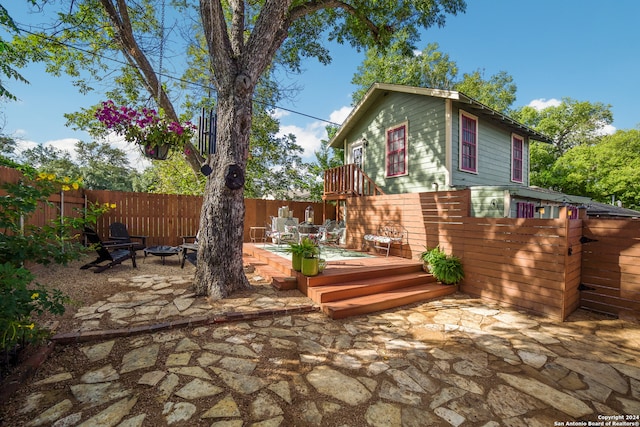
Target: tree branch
[(135, 56), (138, 60), (314, 6), (218, 43), (237, 26)]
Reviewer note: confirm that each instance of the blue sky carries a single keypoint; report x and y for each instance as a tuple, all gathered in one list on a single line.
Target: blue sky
[(581, 49)]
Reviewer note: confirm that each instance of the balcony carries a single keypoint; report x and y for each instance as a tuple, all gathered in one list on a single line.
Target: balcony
[(348, 181)]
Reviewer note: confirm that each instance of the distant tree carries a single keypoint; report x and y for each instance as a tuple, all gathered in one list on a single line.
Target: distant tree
[(326, 158), (104, 167), (7, 146), (569, 124), (401, 64), (610, 167), (46, 158), (100, 166), (171, 176), (497, 92)]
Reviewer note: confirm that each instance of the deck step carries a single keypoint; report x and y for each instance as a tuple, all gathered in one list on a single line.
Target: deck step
[(279, 280), (386, 300), (355, 287), (362, 287)]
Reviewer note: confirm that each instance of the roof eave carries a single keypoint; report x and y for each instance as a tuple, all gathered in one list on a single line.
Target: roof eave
[(377, 89)]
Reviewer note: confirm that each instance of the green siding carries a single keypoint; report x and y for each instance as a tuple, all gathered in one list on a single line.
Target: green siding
[(425, 117), (425, 120), (494, 155), (487, 202)]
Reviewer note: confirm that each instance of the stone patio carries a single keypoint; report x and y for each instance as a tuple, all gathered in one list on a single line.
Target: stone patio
[(452, 362)]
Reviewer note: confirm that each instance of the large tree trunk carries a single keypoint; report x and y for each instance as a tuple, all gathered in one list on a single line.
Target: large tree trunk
[(238, 64), (220, 267)]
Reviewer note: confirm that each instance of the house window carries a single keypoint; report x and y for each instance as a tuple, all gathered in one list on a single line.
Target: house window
[(397, 151), (517, 147), (525, 210), (468, 142)]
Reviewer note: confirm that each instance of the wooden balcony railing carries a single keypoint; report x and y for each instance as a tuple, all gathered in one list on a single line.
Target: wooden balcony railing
[(348, 181)]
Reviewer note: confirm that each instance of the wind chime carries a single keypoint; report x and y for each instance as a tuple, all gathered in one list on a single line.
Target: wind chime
[(207, 137)]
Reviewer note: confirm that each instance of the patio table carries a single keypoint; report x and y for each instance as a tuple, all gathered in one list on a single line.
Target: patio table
[(308, 230)]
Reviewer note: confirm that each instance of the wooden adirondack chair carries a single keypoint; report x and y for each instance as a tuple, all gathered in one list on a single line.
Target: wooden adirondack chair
[(109, 252), (118, 232)]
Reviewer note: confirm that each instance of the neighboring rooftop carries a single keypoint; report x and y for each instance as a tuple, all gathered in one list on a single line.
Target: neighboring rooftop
[(604, 210)]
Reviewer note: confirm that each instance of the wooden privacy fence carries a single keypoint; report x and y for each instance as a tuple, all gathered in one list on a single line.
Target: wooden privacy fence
[(67, 203), (611, 267), (533, 264), (164, 218), (528, 263)]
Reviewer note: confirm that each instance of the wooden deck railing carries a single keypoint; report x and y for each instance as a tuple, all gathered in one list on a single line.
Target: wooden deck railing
[(348, 181)]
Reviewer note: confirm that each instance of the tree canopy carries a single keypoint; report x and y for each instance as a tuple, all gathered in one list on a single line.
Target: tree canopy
[(403, 64)]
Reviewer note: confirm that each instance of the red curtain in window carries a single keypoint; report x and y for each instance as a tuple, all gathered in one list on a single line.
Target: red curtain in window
[(525, 210), (469, 143), (396, 151), (516, 161)]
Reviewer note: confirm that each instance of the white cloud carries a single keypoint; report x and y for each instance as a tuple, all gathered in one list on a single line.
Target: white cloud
[(340, 115), (606, 130), (66, 144), (19, 133), (279, 113), (541, 104), (308, 137), (134, 155), (23, 144)]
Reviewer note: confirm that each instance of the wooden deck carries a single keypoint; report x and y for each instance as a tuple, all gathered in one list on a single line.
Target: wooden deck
[(352, 286)]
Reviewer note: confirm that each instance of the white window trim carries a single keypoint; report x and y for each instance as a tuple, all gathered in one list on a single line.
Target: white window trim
[(520, 137), (462, 113), (406, 149)]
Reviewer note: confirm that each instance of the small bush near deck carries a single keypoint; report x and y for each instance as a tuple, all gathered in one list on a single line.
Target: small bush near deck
[(445, 268)]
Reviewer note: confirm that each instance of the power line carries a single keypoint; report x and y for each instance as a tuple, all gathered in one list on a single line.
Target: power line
[(171, 77)]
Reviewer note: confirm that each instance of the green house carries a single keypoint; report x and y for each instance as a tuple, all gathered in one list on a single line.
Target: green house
[(404, 139)]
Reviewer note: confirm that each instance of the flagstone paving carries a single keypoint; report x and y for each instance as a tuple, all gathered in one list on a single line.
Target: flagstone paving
[(457, 361)]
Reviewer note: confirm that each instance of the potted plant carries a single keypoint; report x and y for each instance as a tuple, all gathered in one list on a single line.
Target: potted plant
[(296, 250), (146, 127), (310, 252), (445, 268)]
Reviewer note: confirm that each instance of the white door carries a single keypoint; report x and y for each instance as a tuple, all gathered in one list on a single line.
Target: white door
[(356, 154), (357, 158)]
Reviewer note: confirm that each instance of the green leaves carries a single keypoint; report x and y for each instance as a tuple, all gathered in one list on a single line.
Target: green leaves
[(445, 268)]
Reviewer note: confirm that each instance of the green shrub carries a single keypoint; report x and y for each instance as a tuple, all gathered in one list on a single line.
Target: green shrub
[(21, 244), (445, 268)]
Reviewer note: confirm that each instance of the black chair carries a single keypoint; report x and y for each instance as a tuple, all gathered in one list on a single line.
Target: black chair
[(189, 250), (111, 252), (118, 232)]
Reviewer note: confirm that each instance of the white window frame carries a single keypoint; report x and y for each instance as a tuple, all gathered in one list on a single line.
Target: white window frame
[(462, 115)]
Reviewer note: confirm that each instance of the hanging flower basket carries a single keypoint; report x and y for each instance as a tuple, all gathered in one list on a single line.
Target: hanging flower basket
[(156, 152), (147, 128)]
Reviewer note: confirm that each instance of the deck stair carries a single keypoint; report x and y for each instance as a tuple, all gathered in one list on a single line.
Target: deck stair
[(343, 291), (374, 290)]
